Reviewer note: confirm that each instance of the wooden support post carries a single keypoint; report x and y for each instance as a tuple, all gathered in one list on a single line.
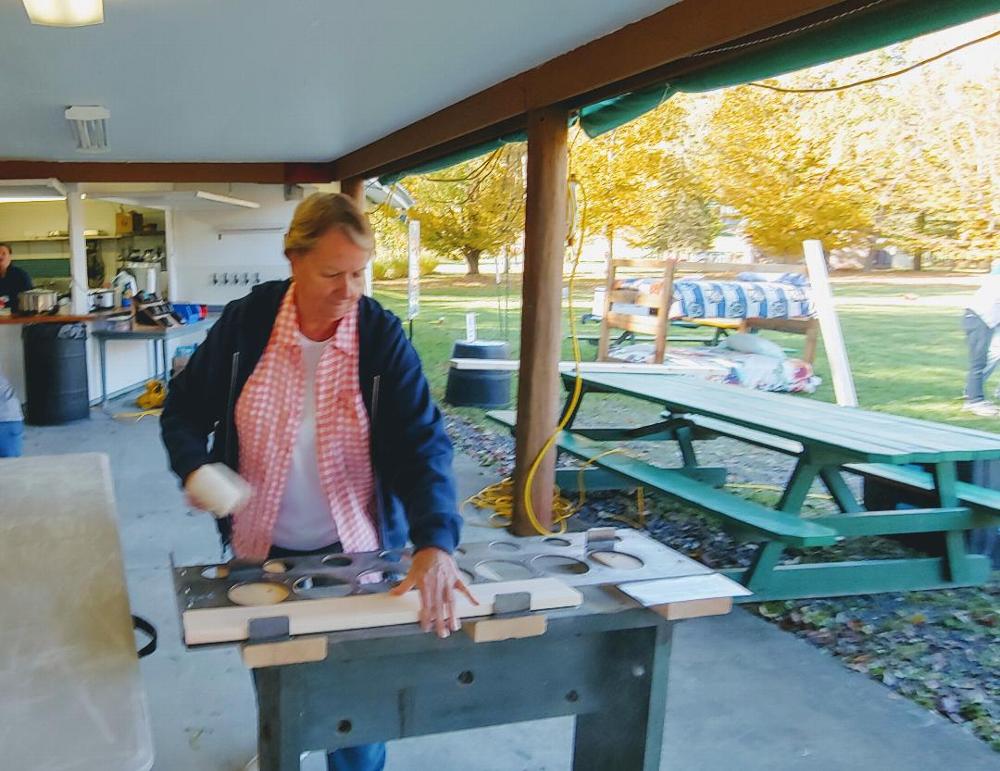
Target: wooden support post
[(77, 249), (355, 188), (541, 317)]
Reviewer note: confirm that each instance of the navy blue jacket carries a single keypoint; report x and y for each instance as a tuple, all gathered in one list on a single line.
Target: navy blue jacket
[(411, 453)]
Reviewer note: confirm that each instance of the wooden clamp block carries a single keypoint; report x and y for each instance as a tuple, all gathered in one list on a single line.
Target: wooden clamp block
[(270, 644), (512, 620)]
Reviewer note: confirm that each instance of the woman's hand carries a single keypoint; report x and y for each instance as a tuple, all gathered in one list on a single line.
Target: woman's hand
[(433, 572)]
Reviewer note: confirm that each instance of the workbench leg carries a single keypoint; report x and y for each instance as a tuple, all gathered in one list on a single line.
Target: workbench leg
[(278, 740), (626, 734)]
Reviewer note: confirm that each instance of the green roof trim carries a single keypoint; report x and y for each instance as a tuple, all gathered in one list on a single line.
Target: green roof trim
[(882, 24)]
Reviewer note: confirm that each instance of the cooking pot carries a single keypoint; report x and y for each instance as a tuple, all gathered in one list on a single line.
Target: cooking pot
[(37, 301), (102, 299)]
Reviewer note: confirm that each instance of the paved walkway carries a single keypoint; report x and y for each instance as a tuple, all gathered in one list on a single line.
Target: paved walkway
[(743, 695)]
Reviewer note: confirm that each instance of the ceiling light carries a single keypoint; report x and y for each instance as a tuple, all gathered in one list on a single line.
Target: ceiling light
[(90, 127), (35, 199), (65, 13)]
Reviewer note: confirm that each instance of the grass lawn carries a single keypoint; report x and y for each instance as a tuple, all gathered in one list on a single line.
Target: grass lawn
[(908, 358)]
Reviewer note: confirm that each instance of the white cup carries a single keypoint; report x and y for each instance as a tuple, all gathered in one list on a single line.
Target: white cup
[(218, 488)]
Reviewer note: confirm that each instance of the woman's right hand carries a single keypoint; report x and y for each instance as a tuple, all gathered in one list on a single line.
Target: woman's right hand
[(216, 488)]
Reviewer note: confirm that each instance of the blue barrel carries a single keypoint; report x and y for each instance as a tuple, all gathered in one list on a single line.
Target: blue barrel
[(476, 387)]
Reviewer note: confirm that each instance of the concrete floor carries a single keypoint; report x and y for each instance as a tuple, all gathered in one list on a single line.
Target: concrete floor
[(743, 694)]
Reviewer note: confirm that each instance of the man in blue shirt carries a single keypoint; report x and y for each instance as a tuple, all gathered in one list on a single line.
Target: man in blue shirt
[(13, 280)]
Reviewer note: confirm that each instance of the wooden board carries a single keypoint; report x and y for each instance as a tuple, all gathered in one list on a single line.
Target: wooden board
[(218, 625)]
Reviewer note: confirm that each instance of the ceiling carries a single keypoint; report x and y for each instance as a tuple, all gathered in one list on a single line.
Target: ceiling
[(264, 80)]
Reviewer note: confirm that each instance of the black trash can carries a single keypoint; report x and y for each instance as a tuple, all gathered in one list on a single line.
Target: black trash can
[(477, 387), (55, 373)]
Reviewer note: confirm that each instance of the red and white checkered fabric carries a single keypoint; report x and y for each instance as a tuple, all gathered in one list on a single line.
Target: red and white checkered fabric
[(268, 414)]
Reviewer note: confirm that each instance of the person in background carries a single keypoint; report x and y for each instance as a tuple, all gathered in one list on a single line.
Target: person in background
[(13, 280), (982, 316), (11, 421)]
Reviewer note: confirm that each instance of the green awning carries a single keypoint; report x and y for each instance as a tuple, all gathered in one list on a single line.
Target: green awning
[(457, 157), (881, 25), (870, 27)]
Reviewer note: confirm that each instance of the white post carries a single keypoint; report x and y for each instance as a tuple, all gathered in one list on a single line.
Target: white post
[(829, 325), (173, 289), (77, 250), (413, 271)]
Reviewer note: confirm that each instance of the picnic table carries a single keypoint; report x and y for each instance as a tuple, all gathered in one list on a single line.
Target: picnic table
[(828, 441)]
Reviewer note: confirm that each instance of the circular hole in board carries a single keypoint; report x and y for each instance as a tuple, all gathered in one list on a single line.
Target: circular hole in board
[(344, 727), (337, 561), (554, 541), (466, 677), (213, 572), (616, 560), (556, 564), (506, 546), (275, 566), (377, 581), (321, 586), (503, 570), (258, 593)]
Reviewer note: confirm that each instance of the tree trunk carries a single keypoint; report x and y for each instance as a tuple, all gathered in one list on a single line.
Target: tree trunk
[(472, 259)]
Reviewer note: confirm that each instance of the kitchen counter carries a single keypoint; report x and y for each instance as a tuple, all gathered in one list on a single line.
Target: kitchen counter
[(46, 318), (129, 362)]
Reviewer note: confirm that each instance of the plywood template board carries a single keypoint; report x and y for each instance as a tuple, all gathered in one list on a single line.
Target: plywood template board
[(364, 611)]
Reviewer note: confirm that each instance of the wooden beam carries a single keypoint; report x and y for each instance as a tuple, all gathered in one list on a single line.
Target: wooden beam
[(611, 64), (355, 188), (73, 171), (541, 316)]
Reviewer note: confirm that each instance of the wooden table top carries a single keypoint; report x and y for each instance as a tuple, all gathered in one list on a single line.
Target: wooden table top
[(877, 437)]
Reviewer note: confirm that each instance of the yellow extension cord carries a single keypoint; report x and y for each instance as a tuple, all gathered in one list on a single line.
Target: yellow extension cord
[(500, 496)]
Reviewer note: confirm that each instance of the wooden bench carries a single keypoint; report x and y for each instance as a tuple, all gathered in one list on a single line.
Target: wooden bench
[(746, 515)]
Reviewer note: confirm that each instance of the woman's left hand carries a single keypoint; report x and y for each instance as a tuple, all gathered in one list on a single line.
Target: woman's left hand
[(434, 574)]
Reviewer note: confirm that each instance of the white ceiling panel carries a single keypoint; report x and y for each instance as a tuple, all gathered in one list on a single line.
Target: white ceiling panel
[(263, 80)]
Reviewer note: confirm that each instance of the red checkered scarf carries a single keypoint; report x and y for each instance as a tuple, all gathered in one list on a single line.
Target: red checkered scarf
[(268, 414)]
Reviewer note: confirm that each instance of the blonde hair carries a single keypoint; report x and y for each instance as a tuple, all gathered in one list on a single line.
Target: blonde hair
[(322, 212)]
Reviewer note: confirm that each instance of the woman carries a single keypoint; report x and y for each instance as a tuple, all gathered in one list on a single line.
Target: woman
[(318, 400)]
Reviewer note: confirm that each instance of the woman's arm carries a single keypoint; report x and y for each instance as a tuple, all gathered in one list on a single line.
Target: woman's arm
[(196, 401), (420, 449)]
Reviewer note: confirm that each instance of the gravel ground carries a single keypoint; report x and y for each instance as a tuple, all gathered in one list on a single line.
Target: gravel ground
[(940, 649)]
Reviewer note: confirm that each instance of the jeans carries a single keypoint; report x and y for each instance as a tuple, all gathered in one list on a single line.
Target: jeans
[(983, 357), (364, 757), (11, 435)]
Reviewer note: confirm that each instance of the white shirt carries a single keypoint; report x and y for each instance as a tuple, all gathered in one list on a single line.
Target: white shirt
[(305, 521), (985, 302)]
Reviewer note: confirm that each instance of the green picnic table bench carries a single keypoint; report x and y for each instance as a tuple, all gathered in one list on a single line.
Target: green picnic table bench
[(827, 441)]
